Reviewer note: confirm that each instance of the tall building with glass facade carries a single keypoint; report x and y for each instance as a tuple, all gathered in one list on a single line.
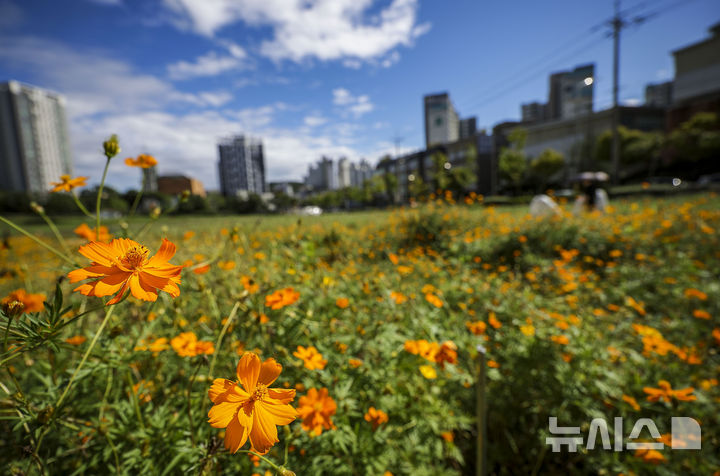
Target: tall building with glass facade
[(34, 139), (241, 166)]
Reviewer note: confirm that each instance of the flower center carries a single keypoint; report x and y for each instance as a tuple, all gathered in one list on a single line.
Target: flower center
[(260, 393), (135, 257)]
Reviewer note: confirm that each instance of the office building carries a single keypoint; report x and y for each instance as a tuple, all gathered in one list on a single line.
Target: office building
[(468, 127), (442, 124), (534, 112), (34, 142), (241, 166), (659, 95), (697, 79)]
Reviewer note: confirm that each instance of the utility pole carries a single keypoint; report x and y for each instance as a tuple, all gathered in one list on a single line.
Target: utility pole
[(617, 25)]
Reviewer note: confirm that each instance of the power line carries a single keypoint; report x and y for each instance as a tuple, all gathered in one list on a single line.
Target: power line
[(482, 99), (515, 85)]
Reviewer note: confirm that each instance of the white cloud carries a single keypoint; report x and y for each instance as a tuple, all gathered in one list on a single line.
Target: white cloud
[(322, 29), (93, 82), (356, 105), (106, 96), (632, 102), (210, 64), (342, 96), (352, 63), (390, 60), (314, 120)]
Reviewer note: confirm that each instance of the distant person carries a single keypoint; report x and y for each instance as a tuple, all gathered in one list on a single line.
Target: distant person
[(592, 195)]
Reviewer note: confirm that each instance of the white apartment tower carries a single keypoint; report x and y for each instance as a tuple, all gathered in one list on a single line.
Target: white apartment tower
[(442, 124), (34, 142), (241, 166)]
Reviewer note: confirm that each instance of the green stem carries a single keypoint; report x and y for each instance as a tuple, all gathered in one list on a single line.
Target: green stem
[(134, 398), (189, 400), (99, 198), (7, 330), (56, 232), (37, 240), (137, 197), (220, 338), (272, 465), (108, 314), (81, 206)]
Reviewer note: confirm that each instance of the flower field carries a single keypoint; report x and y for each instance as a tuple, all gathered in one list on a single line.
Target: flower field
[(350, 347)]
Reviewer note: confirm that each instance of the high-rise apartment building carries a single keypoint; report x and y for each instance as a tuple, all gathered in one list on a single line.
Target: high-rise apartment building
[(34, 142), (241, 165), (442, 124), (571, 93), (344, 173), (150, 179)]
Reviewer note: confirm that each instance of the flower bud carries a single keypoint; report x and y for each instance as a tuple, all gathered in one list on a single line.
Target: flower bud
[(111, 146), (185, 195), (37, 208), (13, 308), (155, 212), (286, 472)]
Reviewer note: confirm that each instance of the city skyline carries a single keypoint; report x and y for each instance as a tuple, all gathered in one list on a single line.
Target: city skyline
[(214, 71)]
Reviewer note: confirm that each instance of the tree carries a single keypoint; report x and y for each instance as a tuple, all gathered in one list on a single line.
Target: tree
[(547, 164), (698, 138), (635, 146), (512, 162)]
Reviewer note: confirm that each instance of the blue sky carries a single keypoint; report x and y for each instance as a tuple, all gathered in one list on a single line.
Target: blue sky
[(314, 77)]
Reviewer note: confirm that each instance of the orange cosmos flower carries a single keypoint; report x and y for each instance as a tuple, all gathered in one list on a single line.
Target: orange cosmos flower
[(631, 401), (88, 233), (76, 340), (355, 363), (447, 352), (125, 264), (399, 298), (143, 160), (493, 320), (562, 339), (477, 327), (66, 183), (249, 284), (695, 293), (700, 314), (252, 410), (650, 456), (315, 409), (282, 298), (31, 302), (342, 303), (434, 300), (188, 345), (376, 417), (666, 393), (311, 357), (716, 335)]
